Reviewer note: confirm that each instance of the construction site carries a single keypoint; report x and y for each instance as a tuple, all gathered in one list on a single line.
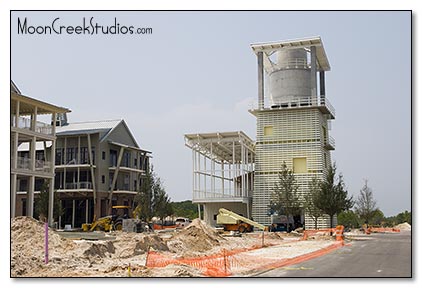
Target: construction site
[(236, 234), (196, 250)]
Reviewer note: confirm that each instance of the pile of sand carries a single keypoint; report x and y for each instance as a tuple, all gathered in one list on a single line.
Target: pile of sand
[(195, 239), (27, 245), (86, 258), (404, 226)]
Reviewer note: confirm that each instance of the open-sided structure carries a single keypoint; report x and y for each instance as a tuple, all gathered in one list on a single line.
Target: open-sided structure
[(222, 172)]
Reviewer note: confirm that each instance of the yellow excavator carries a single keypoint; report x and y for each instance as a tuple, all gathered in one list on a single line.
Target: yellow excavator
[(110, 222)]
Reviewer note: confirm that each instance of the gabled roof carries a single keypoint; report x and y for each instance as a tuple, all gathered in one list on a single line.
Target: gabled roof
[(105, 127), (14, 88), (127, 129)]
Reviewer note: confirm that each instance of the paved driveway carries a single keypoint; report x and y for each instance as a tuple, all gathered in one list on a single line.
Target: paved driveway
[(375, 255)]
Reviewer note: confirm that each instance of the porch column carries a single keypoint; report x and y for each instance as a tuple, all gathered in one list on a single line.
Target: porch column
[(30, 197)]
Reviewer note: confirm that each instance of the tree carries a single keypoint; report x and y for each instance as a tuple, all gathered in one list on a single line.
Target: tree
[(144, 197), (185, 209), (152, 199), (333, 198), (161, 206), (285, 199), (348, 219), (405, 216), (378, 217), (309, 201), (41, 205), (366, 204)]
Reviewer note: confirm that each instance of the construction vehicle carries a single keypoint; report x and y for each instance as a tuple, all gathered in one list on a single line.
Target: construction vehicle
[(281, 223), (110, 222), (235, 222)]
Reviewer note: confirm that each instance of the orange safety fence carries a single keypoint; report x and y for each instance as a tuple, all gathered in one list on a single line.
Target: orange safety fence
[(311, 232), (383, 230), (238, 261), (161, 227)]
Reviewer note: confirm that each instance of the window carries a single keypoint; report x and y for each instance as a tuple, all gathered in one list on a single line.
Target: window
[(102, 179), (110, 179), (93, 155), (59, 154), (325, 160), (84, 155), (268, 130), (126, 180), (71, 155), (299, 165), (126, 159), (103, 155), (135, 162), (324, 134), (113, 158)]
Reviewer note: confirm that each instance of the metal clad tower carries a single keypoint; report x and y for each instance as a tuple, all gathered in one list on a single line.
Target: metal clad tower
[(292, 121)]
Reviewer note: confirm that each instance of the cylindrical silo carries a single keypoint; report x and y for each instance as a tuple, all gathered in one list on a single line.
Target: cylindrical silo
[(290, 81)]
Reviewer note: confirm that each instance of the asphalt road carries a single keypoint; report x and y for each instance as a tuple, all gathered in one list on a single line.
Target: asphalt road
[(375, 255)]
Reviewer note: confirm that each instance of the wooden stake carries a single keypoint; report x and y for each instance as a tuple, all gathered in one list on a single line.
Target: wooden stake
[(46, 242)]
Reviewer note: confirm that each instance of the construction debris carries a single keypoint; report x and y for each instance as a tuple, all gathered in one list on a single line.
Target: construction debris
[(122, 254)]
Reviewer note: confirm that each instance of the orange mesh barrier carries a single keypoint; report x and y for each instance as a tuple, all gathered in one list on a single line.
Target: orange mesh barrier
[(161, 227), (383, 230), (307, 233)]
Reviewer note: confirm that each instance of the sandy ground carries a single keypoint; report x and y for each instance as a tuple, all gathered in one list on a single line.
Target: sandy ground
[(124, 254)]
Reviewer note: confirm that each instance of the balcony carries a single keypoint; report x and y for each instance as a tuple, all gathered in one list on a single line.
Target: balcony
[(24, 163), (330, 143), (320, 102), (78, 185), (25, 123)]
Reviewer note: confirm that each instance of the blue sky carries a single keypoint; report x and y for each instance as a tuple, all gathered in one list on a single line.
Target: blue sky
[(197, 73)]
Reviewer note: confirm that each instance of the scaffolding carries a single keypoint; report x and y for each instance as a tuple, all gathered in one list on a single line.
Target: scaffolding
[(223, 165)]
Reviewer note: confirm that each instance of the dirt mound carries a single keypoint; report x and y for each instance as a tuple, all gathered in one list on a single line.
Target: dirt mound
[(27, 245), (404, 226), (195, 239), (100, 250), (134, 244)]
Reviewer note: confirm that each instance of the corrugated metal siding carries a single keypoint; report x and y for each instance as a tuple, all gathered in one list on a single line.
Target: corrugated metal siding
[(296, 133)]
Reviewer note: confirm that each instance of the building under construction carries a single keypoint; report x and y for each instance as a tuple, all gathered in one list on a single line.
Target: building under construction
[(293, 122)]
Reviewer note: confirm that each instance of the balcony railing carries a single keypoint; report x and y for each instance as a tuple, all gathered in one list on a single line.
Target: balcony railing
[(25, 123), (218, 194), (123, 187), (26, 164), (294, 63), (78, 185), (299, 102), (43, 166), (330, 143)]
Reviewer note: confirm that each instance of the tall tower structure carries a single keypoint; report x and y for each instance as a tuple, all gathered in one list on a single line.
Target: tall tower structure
[(293, 119)]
